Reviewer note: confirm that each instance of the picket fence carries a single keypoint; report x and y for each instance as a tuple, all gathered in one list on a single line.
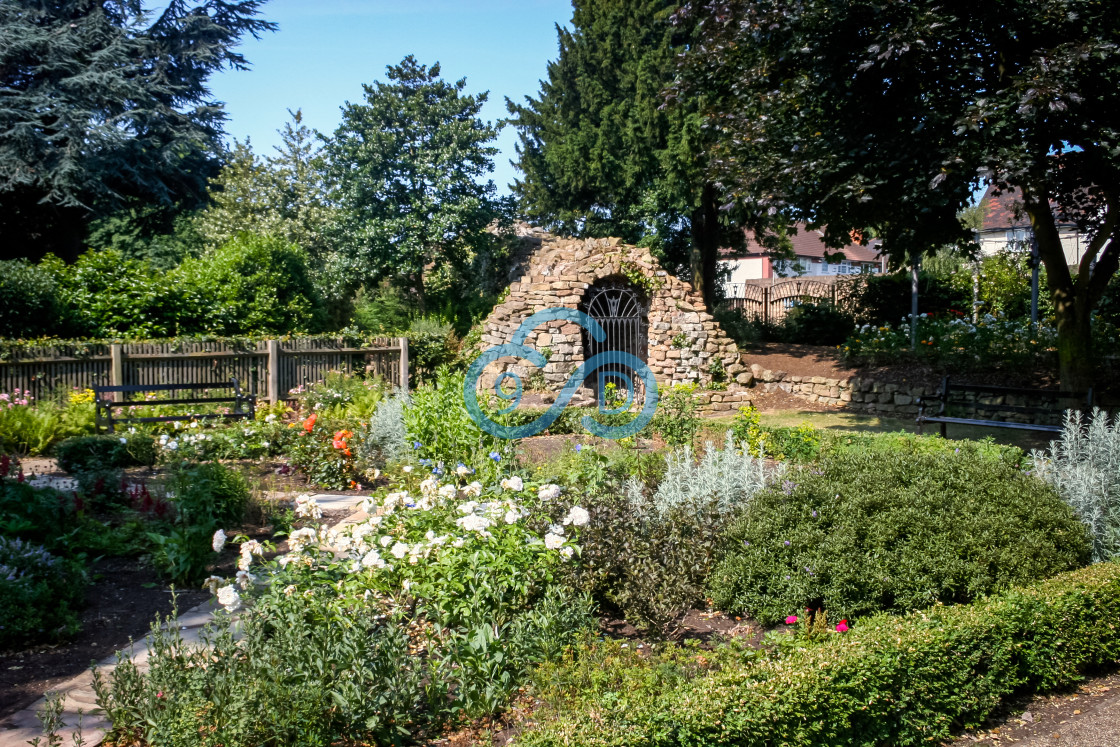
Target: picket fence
[(268, 369)]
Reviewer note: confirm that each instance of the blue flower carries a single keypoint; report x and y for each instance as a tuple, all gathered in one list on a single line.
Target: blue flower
[(425, 462), (495, 456), (437, 471), (415, 445), (787, 543), (579, 448)]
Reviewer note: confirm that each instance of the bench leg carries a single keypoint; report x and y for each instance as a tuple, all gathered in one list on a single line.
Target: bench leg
[(944, 427)]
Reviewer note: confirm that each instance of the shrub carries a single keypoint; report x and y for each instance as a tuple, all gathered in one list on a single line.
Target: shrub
[(649, 554), (676, 419), (436, 418), (39, 594), (816, 324), (324, 450), (431, 344), (1084, 467), (206, 497), (253, 284), (889, 680), (106, 452), (865, 533), (342, 395), (384, 439), (875, 299), (887, 445), (382, 311), (799, 444), (30, 303), (41, 515)]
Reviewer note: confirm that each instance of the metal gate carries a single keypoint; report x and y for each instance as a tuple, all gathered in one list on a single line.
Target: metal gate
[(623, 313)]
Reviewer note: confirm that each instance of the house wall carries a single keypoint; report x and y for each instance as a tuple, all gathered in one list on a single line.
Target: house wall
[(684, 339), (994, 241)]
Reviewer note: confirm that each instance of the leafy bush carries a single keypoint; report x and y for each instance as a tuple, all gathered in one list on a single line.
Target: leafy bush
[(323, 449), (342, 395), (436, 418), (1084, 467), (253, 284), (384, 439), (889, 680), (816, 324), (431, 344), (649, 553), (382, 311), (32, 427), (888, 445), (879, 299), (799, 444), (676, 419), (862, 533), (89, 453), (30, 303), (205, 497), (39, 594), (41, 515)]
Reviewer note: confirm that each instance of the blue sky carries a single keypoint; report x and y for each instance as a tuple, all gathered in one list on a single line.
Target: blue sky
[(324, 51)]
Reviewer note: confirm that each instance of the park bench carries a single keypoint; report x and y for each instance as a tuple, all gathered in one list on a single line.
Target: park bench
[(1029, 404), (108, 398)]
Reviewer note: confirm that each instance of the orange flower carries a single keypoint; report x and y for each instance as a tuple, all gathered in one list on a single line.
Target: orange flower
[(310, 422)]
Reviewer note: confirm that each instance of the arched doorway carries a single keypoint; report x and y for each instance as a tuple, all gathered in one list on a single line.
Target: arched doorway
[(623, 312)]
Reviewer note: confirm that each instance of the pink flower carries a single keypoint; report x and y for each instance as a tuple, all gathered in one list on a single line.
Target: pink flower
[(842, 626), (791, 619)]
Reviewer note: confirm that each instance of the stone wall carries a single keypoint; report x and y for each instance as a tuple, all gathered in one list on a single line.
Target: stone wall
[(684, 339), (866, 395)]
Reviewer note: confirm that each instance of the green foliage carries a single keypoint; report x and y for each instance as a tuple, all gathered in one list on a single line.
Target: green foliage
[(342, 395), (676, 419), (1082, 465), (601, 153), (798, 444), (437, 419), (914, 679), (322, 449), (791, 143), (254, 284), (409, 164), (30, 302), (861, 533), (431, 344), (110, 451), (816, 324), (1005, 285), (39, 594), (884, 299), (205, 497), (106, 103), (890, 445), (384, 310), (385, 438), (41, 515)]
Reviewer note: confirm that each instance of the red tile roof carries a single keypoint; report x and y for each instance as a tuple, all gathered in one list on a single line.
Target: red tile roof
[(809, 243), (1000, 211)]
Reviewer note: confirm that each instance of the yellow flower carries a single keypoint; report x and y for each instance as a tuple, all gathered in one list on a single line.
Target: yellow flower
[(83, 397)]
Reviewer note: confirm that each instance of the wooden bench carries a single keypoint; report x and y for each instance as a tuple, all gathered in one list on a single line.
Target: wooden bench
[(1035, 402), (106, 399)]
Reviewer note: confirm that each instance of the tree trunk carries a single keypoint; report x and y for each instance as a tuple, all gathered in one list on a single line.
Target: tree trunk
[(704, 254), (1073, 304)]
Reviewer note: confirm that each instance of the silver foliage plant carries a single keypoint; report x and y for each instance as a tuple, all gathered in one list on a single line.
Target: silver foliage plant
[(386, 433), (725, 479), (1084, 467)]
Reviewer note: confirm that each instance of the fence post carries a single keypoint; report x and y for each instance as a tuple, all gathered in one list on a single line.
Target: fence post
[(404, 364), (765, 304), (273, 371), (116, 368)]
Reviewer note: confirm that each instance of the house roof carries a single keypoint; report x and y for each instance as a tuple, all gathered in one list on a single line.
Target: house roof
[(809, 243), (1000, 211)]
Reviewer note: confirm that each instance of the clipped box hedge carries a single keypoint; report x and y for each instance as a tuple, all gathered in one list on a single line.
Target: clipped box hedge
[(897, 680)]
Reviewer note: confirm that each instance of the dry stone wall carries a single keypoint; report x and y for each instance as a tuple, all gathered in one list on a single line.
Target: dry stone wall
[(684, 339)]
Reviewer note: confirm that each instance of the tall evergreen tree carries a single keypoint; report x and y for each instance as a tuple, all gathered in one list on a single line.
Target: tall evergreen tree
[(103, 102), (408, 164), (603, 150)]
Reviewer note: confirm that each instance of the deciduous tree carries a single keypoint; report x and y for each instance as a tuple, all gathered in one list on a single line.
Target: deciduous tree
[(887, 115)]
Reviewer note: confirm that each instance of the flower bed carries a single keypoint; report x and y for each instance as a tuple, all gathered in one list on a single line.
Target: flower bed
[(889, 680)]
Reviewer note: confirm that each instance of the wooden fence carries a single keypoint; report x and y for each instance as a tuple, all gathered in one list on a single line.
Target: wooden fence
[(771, 303), (268, 369)]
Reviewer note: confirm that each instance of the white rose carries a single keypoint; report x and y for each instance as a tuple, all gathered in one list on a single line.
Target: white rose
[(577, 516), (399, 550), (473, 490), (219, 541), (567, 552), (407, 469), (229, 598), (553, 541), (447, 491), (549, 492), (511, 517), (513, 483)]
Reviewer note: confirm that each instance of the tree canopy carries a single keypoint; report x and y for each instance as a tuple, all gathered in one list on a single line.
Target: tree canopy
[(602, 153), (887, 116), (102, 101), (408, 164)]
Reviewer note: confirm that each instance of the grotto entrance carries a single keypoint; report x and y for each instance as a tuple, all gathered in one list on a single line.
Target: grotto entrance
[(623, 312)]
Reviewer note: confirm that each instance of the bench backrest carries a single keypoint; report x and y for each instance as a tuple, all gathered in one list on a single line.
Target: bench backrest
[(1019, 402)]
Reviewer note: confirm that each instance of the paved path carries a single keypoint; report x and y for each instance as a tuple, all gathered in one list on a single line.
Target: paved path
[(23, 726)]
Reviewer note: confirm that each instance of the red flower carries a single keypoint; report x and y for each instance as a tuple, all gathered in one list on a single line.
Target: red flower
[(310, 422), (842, 626), (791, 619)]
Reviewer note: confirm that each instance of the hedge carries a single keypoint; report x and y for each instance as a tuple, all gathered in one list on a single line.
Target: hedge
[(899, 680)]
